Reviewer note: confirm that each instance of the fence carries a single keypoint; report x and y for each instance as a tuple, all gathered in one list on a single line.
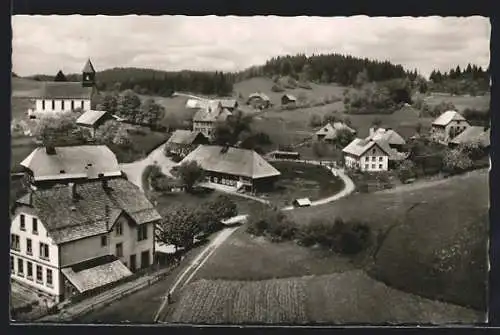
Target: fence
[(333, 164)]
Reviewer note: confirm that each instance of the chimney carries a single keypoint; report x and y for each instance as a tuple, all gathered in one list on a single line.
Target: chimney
[(50, 150), (72, 191), (372, 130)]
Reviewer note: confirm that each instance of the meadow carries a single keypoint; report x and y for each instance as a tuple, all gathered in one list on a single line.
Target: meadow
[(343, 298)]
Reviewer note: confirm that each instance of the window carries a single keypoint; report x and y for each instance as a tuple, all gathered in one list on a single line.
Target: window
[(44, 251), (53, 104), (22, 222), (373, 166), (119, 229), (104, 241), (14, 242), (81, 105), (39, 274), (366, 166), (20, 267), (119, 250), (380, 158), (11, 264), (49, 277), (373, 151), (35, 226), (380, 166), (142, 232), (29, 270), (374, 158), (43, 104), (29, 247), (72, 104)]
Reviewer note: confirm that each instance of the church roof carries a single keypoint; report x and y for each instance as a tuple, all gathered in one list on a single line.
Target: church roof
[(63, 90), (88, 67)]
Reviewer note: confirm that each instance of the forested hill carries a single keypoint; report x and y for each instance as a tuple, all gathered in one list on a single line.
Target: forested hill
[(328, 68)]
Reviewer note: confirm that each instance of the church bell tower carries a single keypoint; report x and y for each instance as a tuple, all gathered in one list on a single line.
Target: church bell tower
[(88, 75)]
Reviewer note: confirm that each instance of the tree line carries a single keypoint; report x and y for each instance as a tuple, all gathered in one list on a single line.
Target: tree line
[(472, 80)]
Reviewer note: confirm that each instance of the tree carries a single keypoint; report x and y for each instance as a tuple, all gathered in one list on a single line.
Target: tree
[(59, 131), (456, 161), (109, 103), (151, 113), (406, 170), (128, 105), (377, 122), (190, 173), (315, 121), (344, 137), (178, 227), (330, 117), (60, 76), (361, 78), (230, 131)]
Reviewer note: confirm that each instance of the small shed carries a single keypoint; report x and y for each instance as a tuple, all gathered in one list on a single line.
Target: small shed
[(92, 119), (302, 202), (287, 99), (277, 154)]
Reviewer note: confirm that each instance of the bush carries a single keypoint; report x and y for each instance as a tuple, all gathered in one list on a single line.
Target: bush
[(456, 161), (276, 88), (406, 170), (315, 121)]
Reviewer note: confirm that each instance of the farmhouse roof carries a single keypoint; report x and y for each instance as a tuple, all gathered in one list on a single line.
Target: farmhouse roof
[(228, 103), (330, 129), (63, 90), (473, 135), (85, 161), (88, 67), (95, 273), (183, 137), (290, 97), (447, 117), (212, 113), (259, 95), (234, 161), (90, 118), (91, 211), (387, 135), (359, 146)]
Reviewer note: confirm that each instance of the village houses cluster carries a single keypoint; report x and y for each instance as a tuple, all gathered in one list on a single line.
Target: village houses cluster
[(82, 225)]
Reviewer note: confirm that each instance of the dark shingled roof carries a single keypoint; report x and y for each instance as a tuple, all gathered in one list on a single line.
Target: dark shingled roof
[(88, 67), (92, 212), (183, 137), (64, 90)]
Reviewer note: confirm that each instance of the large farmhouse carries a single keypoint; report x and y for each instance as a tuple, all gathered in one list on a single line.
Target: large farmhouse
[(205, 120), (328, 132), (448, 125), (48, 166), (60, 96), (473, 135), (389, 136), (72, 239), (234, 167), (259, 100), (182, 142), (367, 155)]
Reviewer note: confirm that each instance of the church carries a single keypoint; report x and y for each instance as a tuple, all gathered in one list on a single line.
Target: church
[(63, 96)]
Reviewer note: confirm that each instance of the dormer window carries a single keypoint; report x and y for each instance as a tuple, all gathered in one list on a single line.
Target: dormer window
[(62, 171)]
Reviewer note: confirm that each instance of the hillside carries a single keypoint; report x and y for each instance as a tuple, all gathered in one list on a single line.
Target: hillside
[(23, 87), (349, 297)]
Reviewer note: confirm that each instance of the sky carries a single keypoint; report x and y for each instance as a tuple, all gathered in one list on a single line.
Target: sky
[(45, 44)]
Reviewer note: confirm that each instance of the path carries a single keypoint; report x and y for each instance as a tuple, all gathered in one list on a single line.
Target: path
[(188, 274), (134, 170)]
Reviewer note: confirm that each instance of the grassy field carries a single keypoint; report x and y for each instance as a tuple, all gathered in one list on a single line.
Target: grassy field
[(22, 87), (270, 260), (174, 108), (461, 102), (440, 233), (350, 297), (299, 180), (169, 201), (264, 85)]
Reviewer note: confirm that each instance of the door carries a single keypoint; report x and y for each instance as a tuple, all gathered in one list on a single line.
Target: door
[(132, 263), (144, 259)]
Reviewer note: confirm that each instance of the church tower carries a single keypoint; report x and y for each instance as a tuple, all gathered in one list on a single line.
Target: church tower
[(88, 75)]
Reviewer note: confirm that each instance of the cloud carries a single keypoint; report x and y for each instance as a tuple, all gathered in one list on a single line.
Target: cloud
[(45, 44)]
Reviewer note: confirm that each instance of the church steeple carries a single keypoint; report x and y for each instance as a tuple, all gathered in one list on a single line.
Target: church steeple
[(88, 74)]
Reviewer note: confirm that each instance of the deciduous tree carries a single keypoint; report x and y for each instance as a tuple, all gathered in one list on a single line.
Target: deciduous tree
[(190, 173)]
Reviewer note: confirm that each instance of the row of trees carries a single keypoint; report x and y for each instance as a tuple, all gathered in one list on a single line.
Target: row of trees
[(129, 106), (473, 72), (472, 80), (180, 226), (345, 237)]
